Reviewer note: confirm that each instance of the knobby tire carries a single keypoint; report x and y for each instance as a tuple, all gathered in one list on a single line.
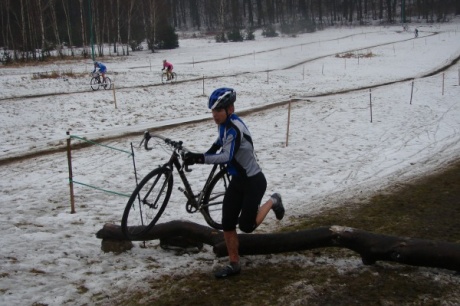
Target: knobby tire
[(107, 84), (164, 78), (213, 199), (94, 83), (147, 203)]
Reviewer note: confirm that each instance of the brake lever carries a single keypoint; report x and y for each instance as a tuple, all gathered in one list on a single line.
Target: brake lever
[(146, 139), (187, 169), (184, 166)]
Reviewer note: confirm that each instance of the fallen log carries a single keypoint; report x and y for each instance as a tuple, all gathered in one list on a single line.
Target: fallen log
[(371, 247)]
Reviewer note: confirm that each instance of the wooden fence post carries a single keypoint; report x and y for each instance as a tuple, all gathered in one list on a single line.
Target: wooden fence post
[(370, 101), (443, 83), (411, 92), (114, 96), (288, 123), (69, 161)]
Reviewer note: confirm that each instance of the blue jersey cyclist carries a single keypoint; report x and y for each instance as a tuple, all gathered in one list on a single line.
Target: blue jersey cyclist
[(234, 147), (102, 69)]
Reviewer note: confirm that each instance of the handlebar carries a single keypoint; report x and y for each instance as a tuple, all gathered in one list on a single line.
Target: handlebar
[(176, 145)]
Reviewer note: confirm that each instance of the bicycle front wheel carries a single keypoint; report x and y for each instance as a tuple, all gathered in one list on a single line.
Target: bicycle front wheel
[(107, 83), (147, 203), (94, 83), (214, 198)]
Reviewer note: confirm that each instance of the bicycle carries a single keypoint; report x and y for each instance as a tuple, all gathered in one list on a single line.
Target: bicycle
[(150, 198), (164, 77), (96, 81)]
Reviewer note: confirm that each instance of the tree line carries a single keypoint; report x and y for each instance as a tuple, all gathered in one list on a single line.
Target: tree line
[(31, 29)]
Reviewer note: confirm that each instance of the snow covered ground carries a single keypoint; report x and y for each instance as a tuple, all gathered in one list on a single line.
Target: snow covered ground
[(338, 146)]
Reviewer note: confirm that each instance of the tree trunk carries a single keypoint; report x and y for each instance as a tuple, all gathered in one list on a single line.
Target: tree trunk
[(69, 34), (118, 27), (4, 12), (83, 38), (130, 16), (23, 29), (42, 27), (371, 247), (52, 5)]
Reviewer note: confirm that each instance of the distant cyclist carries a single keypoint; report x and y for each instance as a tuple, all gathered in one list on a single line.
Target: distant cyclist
[(102, 69), (169, 67)]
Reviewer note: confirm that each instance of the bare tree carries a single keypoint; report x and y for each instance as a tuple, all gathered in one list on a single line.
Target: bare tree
[(131, 4), (118, 26), (23, 27), (52, 6), (83, 36), (67, 22), (42, 26), (37, 24)]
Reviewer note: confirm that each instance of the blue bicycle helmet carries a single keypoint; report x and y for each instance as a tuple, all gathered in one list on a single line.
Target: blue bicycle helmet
[(221, 98)]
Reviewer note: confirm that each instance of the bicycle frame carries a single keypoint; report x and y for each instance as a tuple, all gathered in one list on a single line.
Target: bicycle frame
[(195, 201), (152, 194), (97, 75)]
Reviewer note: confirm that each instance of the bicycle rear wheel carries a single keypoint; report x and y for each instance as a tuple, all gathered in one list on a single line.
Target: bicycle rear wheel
[(147, 203), (173, 77), (94, 83), (107, 83), (164, 78), (214, 198)]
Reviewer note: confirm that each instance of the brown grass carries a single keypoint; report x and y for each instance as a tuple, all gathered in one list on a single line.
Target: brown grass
[(369, 54), (428, 208)]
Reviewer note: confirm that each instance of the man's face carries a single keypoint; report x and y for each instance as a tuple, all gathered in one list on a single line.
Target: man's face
[(219, 115)]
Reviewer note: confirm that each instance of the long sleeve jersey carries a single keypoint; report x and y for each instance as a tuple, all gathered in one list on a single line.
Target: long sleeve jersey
[(167, 65), (237, 149), (101, 67)]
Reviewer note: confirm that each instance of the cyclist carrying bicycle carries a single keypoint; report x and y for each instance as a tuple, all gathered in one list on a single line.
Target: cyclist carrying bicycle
[(169, 68), (241, 204), (102, 69)]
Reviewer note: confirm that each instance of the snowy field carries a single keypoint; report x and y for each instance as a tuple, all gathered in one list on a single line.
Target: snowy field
[(369, 109)]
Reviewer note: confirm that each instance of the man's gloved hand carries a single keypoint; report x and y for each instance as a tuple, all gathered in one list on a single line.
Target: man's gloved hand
[(193, 158)]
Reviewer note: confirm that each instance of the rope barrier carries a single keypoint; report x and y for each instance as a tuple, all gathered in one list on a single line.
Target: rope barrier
[(92, 142), (72, 181), (100, 189)]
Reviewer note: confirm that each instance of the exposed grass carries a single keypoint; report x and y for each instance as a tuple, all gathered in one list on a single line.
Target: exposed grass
[(355, 55), (428, 208), (56, 74)]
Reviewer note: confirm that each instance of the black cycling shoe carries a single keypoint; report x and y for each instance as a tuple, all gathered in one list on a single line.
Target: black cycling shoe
[(229, 270), (278, 207)]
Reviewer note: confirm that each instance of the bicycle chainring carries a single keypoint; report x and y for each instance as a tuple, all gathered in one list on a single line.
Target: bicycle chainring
[(190, 207)]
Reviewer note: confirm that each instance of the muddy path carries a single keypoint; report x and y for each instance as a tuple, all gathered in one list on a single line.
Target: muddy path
[(303, 62), (63, 147)]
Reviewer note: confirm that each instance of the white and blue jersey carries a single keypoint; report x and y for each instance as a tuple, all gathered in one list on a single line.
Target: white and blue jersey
[(237, 149), (102, 68)]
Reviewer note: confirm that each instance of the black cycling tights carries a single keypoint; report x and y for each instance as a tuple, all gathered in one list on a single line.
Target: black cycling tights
[(243, 196)]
